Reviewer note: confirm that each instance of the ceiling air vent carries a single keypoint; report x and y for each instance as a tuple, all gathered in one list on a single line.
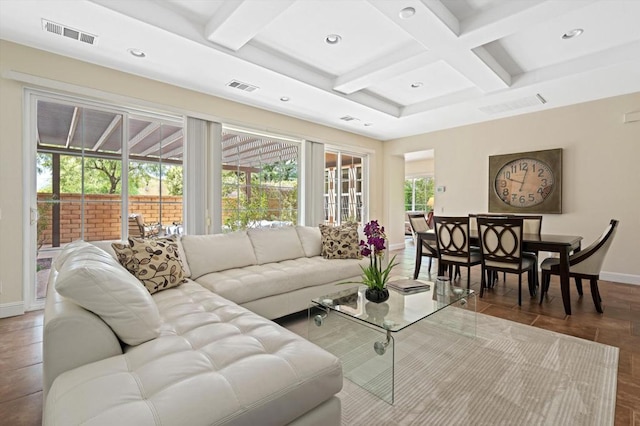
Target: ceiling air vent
[(246, 87), (529, 101), (62, 30), (349, 118)]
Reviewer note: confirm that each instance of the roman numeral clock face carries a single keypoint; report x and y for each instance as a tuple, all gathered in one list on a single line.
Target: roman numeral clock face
[(524, 182)]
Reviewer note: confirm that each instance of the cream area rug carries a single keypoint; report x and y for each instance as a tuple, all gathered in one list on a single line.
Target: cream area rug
[(509, 374)]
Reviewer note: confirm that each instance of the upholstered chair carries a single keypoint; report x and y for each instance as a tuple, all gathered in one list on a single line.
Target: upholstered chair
[(452, 237), (418, 223), (501, 248), (586, 263)]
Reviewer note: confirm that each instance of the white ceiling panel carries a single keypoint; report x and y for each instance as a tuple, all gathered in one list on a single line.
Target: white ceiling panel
[(431, 81), (359, 25), (605, 24)]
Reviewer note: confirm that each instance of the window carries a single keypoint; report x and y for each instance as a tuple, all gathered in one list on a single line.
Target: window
[(418, 194), (259, 180), (343, 187)]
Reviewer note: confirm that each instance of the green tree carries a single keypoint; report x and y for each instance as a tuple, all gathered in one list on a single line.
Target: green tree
[(173, 180), (101, 176)]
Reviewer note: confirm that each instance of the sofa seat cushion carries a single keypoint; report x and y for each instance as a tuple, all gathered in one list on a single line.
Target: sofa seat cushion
[(243, 285), (215, 363)]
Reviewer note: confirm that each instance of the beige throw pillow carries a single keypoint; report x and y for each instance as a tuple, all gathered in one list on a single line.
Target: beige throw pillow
[(340, 242), (155, 262)]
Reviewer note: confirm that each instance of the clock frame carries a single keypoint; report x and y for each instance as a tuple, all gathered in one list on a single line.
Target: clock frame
[(524, 179)]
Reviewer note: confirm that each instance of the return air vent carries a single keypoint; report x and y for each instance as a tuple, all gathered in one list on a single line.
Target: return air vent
[(529, 101), (349, 118), (62, 30), (246, 87)]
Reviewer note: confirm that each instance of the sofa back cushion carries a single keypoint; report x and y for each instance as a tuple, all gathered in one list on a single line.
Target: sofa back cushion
[(218, 252), (96, 281), (275, 244), (311, 240)]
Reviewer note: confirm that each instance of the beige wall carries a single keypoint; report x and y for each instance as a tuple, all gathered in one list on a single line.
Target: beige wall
[(419, 168), (601, 171), (48, 66)]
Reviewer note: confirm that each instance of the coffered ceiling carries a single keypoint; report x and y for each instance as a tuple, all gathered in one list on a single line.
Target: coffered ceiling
[(380, 68)]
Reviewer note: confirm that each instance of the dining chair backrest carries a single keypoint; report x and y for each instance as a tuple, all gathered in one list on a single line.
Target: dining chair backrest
[(501, 241), (452, 236), (589, 260), (531, 224), (473, 218), (418, 222)]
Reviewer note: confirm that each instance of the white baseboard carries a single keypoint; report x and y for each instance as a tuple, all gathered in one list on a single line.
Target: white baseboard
[(11, 309), (620, 278)]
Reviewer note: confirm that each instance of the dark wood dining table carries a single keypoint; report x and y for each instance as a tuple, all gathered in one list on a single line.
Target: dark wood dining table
[(561, 244)]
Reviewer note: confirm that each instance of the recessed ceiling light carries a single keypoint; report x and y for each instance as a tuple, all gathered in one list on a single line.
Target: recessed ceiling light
[(284, 99), (137, 53), (573, 33), (332, 39), (416, 85), (407, 12), (368, 124)]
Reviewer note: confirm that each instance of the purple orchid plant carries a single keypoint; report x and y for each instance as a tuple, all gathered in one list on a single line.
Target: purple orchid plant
[(374, 248)]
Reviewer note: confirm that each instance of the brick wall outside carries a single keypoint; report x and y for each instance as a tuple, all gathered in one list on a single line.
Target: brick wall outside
[(102, 215)]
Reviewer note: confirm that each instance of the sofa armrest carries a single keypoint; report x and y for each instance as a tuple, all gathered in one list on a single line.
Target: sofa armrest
[(72, 336)]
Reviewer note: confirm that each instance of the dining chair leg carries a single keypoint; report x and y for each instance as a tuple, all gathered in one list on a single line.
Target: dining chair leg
[(579, 285), (544, 285), (519, 289), (595, 294), (416, 272), (468, 277), (430, 259), (482, 281)]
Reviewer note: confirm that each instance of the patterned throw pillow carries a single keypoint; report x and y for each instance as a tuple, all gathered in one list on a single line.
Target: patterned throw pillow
[(340, 242), (155, 262)]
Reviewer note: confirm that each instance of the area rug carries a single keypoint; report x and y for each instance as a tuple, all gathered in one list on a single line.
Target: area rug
[(509, 374)]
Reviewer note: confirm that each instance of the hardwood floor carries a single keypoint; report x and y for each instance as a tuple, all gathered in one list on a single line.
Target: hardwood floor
[(21, 337)]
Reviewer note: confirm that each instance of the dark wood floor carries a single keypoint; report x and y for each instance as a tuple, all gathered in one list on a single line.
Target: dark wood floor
[(21, 338)]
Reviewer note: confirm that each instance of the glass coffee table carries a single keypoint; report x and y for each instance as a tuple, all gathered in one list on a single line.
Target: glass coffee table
[(361, 333)]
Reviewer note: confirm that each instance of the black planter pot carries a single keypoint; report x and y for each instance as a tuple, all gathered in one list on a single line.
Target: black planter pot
[(377, 295)]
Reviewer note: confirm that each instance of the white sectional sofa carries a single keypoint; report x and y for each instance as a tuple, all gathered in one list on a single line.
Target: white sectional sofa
[(203, 352)]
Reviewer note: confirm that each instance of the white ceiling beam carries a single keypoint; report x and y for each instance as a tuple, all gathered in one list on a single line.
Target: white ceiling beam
[(164, 142), (442, 101), (400, 62), (73, 126), (151, 127), (107, 132), (607, 58), (267, 58), (236, 22), (510, 17), (174, 152), (438, 36)]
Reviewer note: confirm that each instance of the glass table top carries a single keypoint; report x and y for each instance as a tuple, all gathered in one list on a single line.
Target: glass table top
[(400, 310)]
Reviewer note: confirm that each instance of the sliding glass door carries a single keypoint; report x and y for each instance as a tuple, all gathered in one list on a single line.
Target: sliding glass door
[(94, 166)]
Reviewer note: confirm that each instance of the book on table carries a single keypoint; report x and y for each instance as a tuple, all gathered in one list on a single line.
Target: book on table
[(409, 286)]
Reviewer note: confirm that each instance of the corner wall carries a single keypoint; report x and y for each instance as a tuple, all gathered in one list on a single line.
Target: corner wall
[(601, 171)]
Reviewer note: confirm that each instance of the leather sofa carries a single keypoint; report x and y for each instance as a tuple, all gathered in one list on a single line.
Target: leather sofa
[(203, 352)]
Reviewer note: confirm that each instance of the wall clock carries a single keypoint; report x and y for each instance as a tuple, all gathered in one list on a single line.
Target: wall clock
[(526, 182)]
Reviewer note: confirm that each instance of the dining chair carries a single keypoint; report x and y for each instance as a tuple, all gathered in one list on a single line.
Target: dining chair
[(452, 238), (586, 263), (418, 223), (501, 247)]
